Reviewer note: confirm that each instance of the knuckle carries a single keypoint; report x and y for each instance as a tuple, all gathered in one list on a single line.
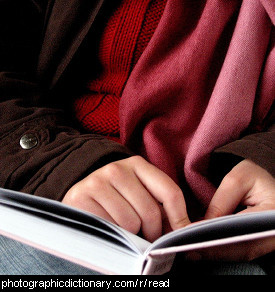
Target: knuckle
[(215, 211), (232, 179), (181, 222), (174, 194), (152, 215), (135, 160), (73, 195), (94, 182), (112, 170), (131, 224)]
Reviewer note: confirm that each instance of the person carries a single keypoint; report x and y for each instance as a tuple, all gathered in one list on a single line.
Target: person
[(152, 114)]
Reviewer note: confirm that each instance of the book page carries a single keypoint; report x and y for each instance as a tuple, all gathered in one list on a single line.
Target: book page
[(78, 219), (218, 228), (69, 243), (228, 242)]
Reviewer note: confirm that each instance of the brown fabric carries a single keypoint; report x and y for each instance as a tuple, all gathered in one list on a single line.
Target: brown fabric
[(63, 155), (258, 147), (34, 101)]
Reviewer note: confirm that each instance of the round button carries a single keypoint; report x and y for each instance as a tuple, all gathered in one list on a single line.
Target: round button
[(28, 141)]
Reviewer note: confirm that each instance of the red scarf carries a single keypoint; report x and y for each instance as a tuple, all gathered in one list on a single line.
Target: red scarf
[(207, 75)]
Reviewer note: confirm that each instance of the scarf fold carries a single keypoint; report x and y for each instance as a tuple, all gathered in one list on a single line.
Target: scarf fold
[(206, 75)]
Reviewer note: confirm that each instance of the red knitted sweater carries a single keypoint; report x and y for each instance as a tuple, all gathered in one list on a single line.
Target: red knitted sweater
[(123, 40)]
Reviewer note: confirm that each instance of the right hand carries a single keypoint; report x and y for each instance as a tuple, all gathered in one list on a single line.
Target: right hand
[(133, 194)]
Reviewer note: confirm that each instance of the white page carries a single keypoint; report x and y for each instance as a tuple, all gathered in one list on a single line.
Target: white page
[(226, 226), (213, 243), (68, 214), (68, 243)]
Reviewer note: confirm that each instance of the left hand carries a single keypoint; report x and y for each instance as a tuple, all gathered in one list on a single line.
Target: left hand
[(251, 186)]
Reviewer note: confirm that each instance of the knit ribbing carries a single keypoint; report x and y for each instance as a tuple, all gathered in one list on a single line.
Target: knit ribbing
[(122, 42)]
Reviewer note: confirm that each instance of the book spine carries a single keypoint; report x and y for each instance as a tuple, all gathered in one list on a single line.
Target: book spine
[(158, 264)]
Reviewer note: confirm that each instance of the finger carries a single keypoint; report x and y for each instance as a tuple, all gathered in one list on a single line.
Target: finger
[(89, 205), (117, 207), (229, 195), (148, 210), (165, 191), (166, 227)]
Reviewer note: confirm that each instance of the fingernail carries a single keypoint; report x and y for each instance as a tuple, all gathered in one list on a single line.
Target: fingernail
[(193, 256)]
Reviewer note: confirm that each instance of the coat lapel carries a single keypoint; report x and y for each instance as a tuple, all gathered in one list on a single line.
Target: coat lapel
[(68, 24)]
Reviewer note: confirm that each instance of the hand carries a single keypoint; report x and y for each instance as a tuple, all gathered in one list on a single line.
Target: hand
[(251, 186), (247, 184), (133, 194)]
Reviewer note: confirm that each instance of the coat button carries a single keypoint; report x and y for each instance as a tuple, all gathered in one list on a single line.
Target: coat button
[(28, 141)]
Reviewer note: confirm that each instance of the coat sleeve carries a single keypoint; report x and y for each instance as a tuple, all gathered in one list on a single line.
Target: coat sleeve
[(40, 152), (258, 147)]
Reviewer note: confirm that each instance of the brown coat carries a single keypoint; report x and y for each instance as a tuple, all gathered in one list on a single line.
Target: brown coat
[(42, 46)]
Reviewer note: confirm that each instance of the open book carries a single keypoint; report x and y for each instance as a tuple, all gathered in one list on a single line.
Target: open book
[(90, 241)]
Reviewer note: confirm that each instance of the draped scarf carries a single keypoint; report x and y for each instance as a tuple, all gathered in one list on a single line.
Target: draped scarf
[(206, 76)]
